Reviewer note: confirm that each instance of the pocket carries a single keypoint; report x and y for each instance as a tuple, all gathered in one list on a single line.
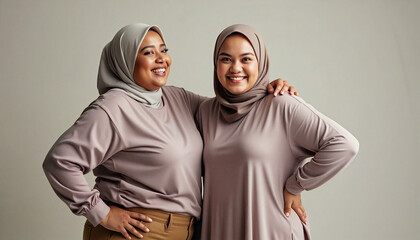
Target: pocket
[(157, 231), (190, 232)]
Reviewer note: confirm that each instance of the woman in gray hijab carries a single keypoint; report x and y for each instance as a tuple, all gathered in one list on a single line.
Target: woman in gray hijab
[(140, 139)]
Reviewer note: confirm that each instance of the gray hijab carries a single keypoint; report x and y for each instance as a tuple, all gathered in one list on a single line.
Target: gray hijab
[(235, 106), (117, 64)]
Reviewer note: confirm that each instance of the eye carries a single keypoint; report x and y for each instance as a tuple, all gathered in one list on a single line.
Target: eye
[(165, 50), (148, 52), (225, 59), (247, 59)]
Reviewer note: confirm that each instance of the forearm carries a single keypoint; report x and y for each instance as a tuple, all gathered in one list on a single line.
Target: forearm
[(326, 163), (333, 148), (70, 185)]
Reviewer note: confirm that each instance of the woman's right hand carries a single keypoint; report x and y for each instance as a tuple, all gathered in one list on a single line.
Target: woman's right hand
[(294, 202), (120, 220)]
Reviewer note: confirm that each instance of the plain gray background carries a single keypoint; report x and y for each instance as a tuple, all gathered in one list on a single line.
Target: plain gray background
[(355, 61)]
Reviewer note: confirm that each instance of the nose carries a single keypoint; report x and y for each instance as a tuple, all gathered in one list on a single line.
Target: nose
[(159, 57), (236, 67)]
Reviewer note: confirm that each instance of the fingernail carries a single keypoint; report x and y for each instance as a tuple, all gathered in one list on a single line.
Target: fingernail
[(150, 219), (287, 214), (281, 92), (275, 94), (147, 230)]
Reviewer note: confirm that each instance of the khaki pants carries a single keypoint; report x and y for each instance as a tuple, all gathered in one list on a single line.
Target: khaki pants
[(165, 225)]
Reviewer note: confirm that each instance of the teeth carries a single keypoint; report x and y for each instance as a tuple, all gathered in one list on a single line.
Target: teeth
[(236, 78), (159, 70)]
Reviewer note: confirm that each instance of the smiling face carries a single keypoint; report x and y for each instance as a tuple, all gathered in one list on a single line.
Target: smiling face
[(152, 63), (237, 65)]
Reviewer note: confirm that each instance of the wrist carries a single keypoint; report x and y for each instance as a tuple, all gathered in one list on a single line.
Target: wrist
[(105, 220), (97, 213), (293, 186)]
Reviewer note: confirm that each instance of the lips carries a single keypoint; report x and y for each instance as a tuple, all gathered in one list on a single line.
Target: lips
[(236, 78), (160, 71)]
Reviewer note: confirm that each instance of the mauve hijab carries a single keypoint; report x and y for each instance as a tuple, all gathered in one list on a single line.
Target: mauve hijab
[(234, 107), (117, 64)]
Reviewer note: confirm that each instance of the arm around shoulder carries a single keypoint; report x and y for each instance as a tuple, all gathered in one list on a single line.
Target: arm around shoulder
[(195, 100)]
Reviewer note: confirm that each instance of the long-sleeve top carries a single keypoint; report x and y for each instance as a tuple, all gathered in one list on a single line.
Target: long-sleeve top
[(141, 157), (248, 163)]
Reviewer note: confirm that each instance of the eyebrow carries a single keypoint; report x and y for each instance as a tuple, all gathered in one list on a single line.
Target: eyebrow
[(243, 54), (151, 46)]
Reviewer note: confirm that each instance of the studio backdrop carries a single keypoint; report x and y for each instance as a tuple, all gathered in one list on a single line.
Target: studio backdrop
[(357, 62)]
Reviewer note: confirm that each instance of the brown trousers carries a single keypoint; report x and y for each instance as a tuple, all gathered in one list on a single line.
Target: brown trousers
[(164, 226)]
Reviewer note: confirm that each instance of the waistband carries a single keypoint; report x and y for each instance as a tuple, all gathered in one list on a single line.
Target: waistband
[(165, 217)]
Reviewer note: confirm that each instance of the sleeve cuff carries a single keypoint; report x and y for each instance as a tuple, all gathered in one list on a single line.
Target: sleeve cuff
[(293, 186), (97, 213)]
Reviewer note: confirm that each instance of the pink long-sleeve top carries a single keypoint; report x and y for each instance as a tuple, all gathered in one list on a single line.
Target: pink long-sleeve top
[(141, 157), (248, 163)]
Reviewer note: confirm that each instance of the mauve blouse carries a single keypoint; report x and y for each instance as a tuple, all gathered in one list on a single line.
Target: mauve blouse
[(141, 157)]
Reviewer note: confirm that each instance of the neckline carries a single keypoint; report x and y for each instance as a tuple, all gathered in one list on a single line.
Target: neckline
[(161, 107)]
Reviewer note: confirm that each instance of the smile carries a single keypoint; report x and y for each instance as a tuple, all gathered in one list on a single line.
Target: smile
[(236, 79), (159, 70)]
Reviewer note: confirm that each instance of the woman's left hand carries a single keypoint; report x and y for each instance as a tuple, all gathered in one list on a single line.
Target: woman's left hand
[(281, 86), (294, 202)]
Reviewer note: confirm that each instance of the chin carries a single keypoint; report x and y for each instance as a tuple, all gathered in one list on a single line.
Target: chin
[(236, 91), (159, 85)]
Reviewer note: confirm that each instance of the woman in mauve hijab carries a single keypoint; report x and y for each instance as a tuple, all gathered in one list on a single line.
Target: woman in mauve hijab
[(255, 144), (140, 139)]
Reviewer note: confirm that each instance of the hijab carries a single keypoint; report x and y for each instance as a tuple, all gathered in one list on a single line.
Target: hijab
[(117, 64), (235, 106)]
